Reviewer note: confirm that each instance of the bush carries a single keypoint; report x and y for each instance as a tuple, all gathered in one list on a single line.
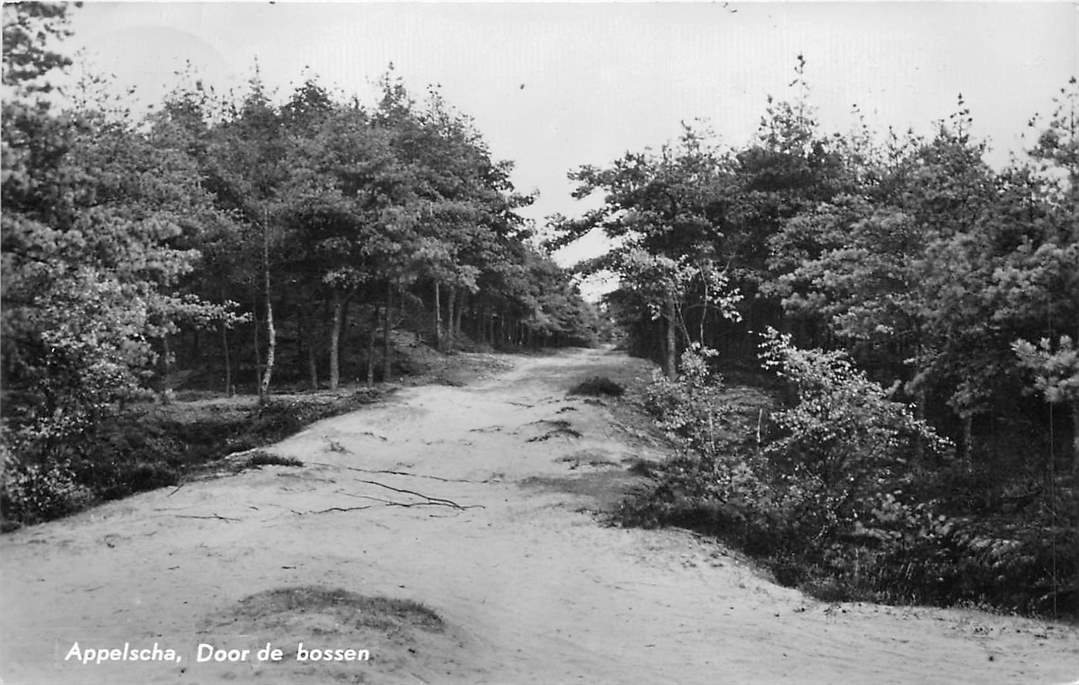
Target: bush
[(690, 409), (597, 386), (836, 500), (844, 448), (36, 492)]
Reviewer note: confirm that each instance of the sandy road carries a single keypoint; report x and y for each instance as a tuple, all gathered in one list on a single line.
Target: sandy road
[(472, 501)]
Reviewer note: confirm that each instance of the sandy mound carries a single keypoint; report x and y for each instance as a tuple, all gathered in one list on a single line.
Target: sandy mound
[(334, 635)]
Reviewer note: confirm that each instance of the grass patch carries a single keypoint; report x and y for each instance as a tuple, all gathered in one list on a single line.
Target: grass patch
[(403, 640), (261, 458), (598, 386), (346, 611)]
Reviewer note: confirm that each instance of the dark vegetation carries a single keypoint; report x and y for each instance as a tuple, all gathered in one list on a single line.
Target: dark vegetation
[(260, 458), (157, 446), (916, 313), (234, 244), (598, 386)]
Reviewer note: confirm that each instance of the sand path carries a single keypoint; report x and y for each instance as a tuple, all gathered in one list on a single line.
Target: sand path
[(498, 539)]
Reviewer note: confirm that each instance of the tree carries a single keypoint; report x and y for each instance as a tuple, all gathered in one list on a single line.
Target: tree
[(95, 218), (665, 211), (893, 271), (342, 167), (249, 177)]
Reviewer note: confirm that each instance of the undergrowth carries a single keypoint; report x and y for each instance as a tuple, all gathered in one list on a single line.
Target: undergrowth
[(845, 494), (144, 449)]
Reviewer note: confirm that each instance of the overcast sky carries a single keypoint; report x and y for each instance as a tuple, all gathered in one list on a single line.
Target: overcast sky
[(552, 86)]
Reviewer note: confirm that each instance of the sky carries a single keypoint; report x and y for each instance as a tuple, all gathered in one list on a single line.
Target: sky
[(556, 85)]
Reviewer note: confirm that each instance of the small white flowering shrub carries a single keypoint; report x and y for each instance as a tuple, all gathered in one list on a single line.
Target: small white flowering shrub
[(844, 447)]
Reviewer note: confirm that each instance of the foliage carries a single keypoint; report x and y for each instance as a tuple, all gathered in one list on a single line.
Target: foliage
[(690, 408), (268, 225), (1056, 371), (94, 225), (899, 261), (1056, 377), (845, 450), (833, 498), (151, 447), (36, 492), (29, 27), (665, 210), (845, 433)]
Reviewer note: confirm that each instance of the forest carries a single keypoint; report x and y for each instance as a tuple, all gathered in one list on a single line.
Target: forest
[(914, 314), (907, 314), (230, 242)]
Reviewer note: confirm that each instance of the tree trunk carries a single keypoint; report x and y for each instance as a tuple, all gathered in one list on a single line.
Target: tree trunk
[(228, 360), (438, 317), (457, 320), (271, 332), (308, 347), (672, 340), (166, 370), (968, 439), (704, 309), (1075, 436), (258, 353), (386, 334), (339, 304), (371, 349), (451, 300), (921, 398)]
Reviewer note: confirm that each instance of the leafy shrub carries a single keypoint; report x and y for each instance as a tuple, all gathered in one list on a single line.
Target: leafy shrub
[(715, 484), (34, 492), (844, 447), (597, 386), (835, 499), (690, 409)]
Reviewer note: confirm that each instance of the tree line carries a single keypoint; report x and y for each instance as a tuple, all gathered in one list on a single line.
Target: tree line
[(241, 241), (956, 282), (909, 317)]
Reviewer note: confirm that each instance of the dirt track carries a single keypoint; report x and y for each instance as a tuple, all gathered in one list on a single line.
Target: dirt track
[(486, 522)]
